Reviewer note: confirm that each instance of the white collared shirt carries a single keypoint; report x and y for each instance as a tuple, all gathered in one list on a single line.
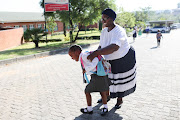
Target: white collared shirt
[(116, 36), (89, 66)]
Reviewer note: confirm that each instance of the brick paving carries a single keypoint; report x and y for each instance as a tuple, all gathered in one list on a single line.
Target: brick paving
[(51, 88)]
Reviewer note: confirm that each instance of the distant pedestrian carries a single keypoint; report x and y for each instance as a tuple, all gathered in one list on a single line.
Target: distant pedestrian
[(147, 30), (140, 31), (134, 34), (158, 36), (96, 84)]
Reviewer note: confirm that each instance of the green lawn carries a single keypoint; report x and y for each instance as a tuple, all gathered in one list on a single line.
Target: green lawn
[(29, 48)]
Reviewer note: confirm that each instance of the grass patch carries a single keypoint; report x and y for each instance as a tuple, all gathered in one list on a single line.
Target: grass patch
[(28, 48)]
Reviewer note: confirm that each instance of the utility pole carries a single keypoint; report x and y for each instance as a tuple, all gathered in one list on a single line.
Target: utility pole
[(70, 32), (45, 21)]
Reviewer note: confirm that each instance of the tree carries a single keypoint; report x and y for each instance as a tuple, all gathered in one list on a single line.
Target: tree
[(51, 24), (142, 15), (126, 19), (82, 12), (35, 34)]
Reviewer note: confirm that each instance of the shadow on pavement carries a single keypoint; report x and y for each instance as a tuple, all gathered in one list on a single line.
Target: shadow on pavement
[(155, 47), (111, 115), (132, 42)]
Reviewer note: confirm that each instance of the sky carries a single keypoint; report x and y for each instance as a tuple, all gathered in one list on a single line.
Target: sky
[(128, 5)]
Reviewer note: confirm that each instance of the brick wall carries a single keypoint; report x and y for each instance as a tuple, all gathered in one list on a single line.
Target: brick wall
[(35, 24), (11, 38)]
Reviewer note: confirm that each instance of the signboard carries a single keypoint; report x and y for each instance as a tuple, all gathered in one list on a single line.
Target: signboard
[(54, 5)]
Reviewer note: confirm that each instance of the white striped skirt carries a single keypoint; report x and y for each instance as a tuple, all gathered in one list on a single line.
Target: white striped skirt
[(123, 75)]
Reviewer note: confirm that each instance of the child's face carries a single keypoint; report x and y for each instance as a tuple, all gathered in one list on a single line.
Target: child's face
[(74, 55)]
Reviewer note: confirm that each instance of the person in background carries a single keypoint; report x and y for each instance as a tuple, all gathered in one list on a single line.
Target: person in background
[(147, 30), (158, 36), (140, 31), (134, 34), (116, 49)]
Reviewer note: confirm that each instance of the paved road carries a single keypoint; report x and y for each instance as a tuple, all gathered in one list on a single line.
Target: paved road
[(51, 88)]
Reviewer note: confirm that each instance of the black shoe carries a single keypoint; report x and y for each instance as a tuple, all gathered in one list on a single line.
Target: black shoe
[(104, 111), (118, 106), (100, 100), (84, 110)]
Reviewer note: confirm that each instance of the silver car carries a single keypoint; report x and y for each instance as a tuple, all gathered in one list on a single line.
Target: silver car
[(161, 28)]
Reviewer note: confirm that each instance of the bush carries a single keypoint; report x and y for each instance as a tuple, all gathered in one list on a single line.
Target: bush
[(67, 38)]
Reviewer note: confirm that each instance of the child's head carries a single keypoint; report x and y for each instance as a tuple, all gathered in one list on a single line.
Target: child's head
[(74, 52), (158, 30)]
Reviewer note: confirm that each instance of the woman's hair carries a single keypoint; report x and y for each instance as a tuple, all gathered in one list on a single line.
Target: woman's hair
[(74, 48), (109, 12)]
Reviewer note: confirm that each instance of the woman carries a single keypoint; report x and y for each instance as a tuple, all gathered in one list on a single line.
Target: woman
[(116, 49)]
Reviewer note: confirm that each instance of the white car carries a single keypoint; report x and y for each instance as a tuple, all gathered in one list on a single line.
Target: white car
[(161, 28)]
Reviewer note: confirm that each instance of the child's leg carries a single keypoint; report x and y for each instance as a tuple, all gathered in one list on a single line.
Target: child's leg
[(89, 109), (104, 97), (104, 101), (88, 99), (107, 93)]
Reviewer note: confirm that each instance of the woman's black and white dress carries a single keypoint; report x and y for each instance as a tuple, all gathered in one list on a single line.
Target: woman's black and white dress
[(123, 62)]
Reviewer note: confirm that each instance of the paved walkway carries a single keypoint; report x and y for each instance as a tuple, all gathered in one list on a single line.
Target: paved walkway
[(51, 88)]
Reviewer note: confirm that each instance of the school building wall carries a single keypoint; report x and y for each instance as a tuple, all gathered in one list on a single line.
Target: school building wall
[(40, 24), (11, 38)]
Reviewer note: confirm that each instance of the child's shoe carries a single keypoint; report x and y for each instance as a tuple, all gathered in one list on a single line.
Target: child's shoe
[(104, 111), (85, 110)]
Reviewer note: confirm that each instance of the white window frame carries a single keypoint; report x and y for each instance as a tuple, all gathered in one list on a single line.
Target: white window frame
[(24, 27), (40, 26), (16, 26), (31, 26)]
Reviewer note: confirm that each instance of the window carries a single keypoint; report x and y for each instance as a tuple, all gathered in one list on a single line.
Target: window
[(25, 27), (31, 26), (39, 25), (8, 26), (16, 26)]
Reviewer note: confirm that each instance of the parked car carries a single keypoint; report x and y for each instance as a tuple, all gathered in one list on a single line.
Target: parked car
[(173, 27), (161, 28)]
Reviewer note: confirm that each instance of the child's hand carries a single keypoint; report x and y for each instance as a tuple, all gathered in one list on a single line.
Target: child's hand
[(84, 71)]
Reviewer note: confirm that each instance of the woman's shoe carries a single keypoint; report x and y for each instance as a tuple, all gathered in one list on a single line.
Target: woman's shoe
[(104, 111), (84, 110), (118, 104)]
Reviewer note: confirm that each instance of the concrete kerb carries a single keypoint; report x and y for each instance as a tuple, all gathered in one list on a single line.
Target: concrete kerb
[(38, 55)]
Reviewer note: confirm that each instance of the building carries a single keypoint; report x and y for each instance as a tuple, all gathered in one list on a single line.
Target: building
[(165, 23), (26, 20)]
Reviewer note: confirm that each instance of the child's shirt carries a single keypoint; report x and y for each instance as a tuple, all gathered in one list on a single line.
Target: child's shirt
[(158, 35), (89, 66)]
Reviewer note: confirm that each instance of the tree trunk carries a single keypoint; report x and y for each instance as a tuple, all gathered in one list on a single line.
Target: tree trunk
[(64, 29), (78, 33), (71, 30), (36, 42)]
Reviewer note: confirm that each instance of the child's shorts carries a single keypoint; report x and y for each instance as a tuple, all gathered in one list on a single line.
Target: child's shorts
[(98, 84)]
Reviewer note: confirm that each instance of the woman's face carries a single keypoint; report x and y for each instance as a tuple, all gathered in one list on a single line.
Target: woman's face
[(107, 21)]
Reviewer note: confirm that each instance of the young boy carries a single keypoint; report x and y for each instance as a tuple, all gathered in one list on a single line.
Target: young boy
[(158, 36), (97, 83)]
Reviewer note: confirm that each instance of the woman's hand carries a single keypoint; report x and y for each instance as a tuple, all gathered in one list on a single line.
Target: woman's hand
[(92, 55)]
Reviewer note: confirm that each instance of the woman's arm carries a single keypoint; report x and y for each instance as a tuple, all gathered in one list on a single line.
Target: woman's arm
[(103, 51)]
